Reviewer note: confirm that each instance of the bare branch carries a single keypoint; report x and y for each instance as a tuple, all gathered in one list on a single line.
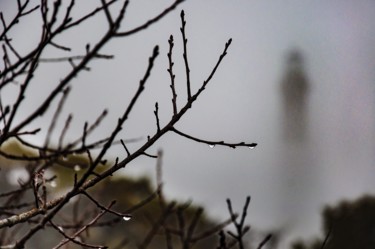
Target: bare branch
[(93, 221), (151, 21), (71, 239), (58, 46), (44, 106), (156, 112), (107, 13), (264, 241), (211, 231), (213, 143), (89, 15), (108, 210), (184, 42), (149, 155), (56, 116), (240, 228), (168, 127), (64, 130), (15, 20), (172, 76), (150, 235), (144, 202), (126, 149)]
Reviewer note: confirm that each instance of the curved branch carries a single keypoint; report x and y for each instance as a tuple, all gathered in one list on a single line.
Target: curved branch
[(213, 143), (151, 21)]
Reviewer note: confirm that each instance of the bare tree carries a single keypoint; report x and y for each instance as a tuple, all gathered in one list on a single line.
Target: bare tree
[(32, 207)]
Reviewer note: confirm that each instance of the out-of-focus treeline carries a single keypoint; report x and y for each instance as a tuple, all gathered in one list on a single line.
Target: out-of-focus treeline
[(114, 231)]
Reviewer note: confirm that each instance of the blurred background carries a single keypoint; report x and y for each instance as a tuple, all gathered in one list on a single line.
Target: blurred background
[(299, 79)]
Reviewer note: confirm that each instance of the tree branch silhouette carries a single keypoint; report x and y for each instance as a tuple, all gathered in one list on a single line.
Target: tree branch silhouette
[(44, 206)]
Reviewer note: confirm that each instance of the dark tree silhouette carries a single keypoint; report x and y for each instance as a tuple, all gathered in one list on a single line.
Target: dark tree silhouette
[(349, 224)]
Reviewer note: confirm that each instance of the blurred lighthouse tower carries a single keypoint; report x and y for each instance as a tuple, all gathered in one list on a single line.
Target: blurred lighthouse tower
[(295, 89), (298, 176)]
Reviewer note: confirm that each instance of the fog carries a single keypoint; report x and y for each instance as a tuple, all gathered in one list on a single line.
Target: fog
[(289, 182)]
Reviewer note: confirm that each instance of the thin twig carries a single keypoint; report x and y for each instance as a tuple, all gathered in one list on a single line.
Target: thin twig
[(151, 21), (118, 214), (264, 241), (159, 223), (213, 143), (124, 145), (172, 76), (89, 15), (156, 112), (64, 130), (211, 231), (326, 238), (107, 14), (56, 116), (93, 221), (184, 42), (240, 228)]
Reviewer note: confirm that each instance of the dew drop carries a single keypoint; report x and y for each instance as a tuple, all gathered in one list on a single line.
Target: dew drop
[(211, 146), (126, 217), (60, 228), (53, 184), (252, 146), (77, 168)]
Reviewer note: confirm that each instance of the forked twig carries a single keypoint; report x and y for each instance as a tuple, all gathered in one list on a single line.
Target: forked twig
[(241, 229), (93, 221)]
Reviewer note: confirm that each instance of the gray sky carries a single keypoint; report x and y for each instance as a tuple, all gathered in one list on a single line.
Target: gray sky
[(242, 103)]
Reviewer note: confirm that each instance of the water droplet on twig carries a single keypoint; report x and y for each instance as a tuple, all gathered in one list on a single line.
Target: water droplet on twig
[(77, 168), (53, 184), (211, 146), (126, 217), (252, 146)]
